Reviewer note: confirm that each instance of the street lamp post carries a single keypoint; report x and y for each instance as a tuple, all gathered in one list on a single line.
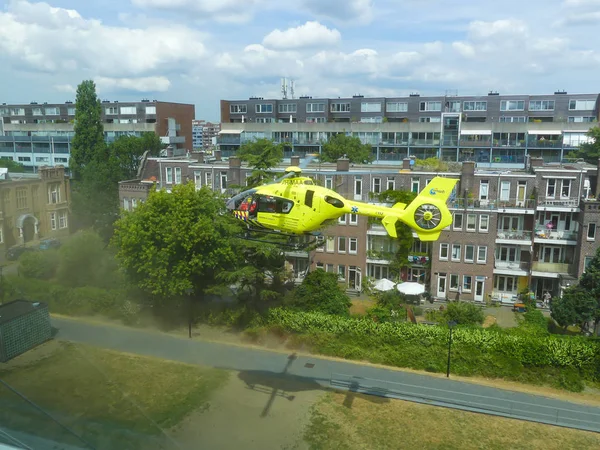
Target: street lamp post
[(189, 292), (451, 325)]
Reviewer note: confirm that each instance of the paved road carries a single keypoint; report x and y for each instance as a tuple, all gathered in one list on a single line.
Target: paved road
[(337, 374)]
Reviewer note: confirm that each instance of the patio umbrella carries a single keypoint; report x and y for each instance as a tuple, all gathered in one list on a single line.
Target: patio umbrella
[(411, 288), (384, 285)]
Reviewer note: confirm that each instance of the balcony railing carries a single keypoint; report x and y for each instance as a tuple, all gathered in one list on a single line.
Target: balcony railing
[(544, 143), (511, 265), (380, 255), (561, 203), (539, 266), (475, 143), (556, 234), (461, 203), (514, 235)]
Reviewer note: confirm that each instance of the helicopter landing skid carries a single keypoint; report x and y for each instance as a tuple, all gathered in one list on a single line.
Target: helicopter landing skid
[(290, 244)]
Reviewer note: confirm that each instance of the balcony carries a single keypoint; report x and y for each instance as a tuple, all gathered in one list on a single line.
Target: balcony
[(550, 268), (517, 268), (419, 259), (519, 205), (544, 143), (562, 204), (475, 143), (380, 257), (543, 236), (376, 230), (522, 237)]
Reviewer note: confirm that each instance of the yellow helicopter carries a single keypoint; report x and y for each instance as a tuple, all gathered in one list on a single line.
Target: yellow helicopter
[(293, 205)]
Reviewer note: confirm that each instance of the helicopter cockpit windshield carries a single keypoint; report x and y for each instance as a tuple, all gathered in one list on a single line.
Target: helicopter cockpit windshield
[(270, 204)]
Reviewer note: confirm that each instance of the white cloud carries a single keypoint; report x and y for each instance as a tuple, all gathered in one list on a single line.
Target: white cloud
[(144, 84), (357, 11), (234, 11), (56, 40), (65, 88), (311, 34), (464, 49)]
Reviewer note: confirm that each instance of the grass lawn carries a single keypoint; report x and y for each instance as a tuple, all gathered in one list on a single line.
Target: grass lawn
[(96, 392), (340, 422)]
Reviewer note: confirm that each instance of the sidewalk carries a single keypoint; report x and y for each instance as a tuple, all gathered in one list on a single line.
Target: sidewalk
[(337, 374)]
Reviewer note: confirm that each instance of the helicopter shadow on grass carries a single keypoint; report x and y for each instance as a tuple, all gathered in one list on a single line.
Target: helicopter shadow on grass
[(286, 385)]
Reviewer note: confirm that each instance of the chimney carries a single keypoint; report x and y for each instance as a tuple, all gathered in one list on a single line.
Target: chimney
[(468, 168), (295, 161), (406, 164), (467, 176), (217, 155), (343, 165), (537, 162), (235, 162), (170, 151)]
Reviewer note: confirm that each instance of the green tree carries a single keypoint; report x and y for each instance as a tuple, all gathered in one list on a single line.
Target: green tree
[(577, 306), (320, 291), (262, 155), (463, 313), (177, 244), (125, 154), (590, 281), (405, 235), (88, 141), (590, 151), (40, 265), (12, 166), (339, 145)]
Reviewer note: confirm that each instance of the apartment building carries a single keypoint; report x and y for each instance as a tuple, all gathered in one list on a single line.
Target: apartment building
[(37, 135), (34, 206), (493, 130), (204, 133), (534, 227)]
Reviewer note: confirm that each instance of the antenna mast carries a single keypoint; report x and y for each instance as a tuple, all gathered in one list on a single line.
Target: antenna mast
[(284, 88), (292, 88)]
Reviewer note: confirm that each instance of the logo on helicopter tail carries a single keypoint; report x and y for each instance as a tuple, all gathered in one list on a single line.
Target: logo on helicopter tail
[(434, 191)]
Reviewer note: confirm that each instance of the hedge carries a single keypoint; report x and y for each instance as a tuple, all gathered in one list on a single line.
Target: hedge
[(534, 351)]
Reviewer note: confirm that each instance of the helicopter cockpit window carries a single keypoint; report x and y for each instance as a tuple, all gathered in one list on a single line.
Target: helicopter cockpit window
[(308, 182), (334, 201), (274, 205)]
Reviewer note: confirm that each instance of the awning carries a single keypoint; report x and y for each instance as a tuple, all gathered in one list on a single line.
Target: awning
[(538, 132), (476, 132), (231, 131)]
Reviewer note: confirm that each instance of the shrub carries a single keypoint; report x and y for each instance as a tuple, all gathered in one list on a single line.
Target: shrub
[(39, 265), (320, 291), (463, 313), (384, 314)]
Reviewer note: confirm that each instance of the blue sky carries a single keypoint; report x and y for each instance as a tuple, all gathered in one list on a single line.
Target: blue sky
[(202, 51)]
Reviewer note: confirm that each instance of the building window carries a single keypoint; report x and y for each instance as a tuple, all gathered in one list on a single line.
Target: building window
[(329, 268), (150, 110), (474, 106), (391, 183), (288, 108), (54, 193), (341, 245), (330, 244), (414, 185), (133, 203), (339, 107), (550, 188), (443, 252), (565, 191), (458, 221), (223, 180), (541, 105), (208, 179), (484, 187), (125, 203), (265, 108), (312, 119), (377, 185), (353, 247), (329, 182), (353, 219), (342, 272), (582, 105), (467, 282), (342, 220), (455, 252), (591, 233), (505, 283), (198, 179), (484, 223), (469, 253), (471, 222), (504, 191), (169, 175), (128, 110), (238, 109), (586, 262), (513, 119), (21, 198), (376, 119), (582, 119), (482, 254), (37, 112), (52, 111), (53, 221), (177, 175), (320, 240), (512, 105), (111, 111), (315, 107), (62, 218), (453, 282), (357, 188), (320, 265), (392, 107), (373, 107), (430, 119), (430, 106)]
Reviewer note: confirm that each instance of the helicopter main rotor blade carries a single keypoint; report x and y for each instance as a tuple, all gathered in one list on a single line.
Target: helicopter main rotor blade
[(307, 160)]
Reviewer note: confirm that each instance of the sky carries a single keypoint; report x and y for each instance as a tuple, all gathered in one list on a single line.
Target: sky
[(202, 51)]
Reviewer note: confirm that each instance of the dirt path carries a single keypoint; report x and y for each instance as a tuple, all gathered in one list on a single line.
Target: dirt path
[(254, 412)]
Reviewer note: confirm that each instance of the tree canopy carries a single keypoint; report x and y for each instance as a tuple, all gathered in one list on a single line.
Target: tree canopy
[(88, 141), (339, 145), (262, 155), (577, 306), (590, 151), (125, 154), (12, 166), (320, 291), (176, 241)]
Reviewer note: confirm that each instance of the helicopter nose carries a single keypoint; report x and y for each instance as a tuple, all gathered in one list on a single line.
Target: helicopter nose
[(230, 205)]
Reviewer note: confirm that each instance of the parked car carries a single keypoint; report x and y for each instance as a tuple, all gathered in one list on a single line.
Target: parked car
[(12, 254), (47, 244)]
